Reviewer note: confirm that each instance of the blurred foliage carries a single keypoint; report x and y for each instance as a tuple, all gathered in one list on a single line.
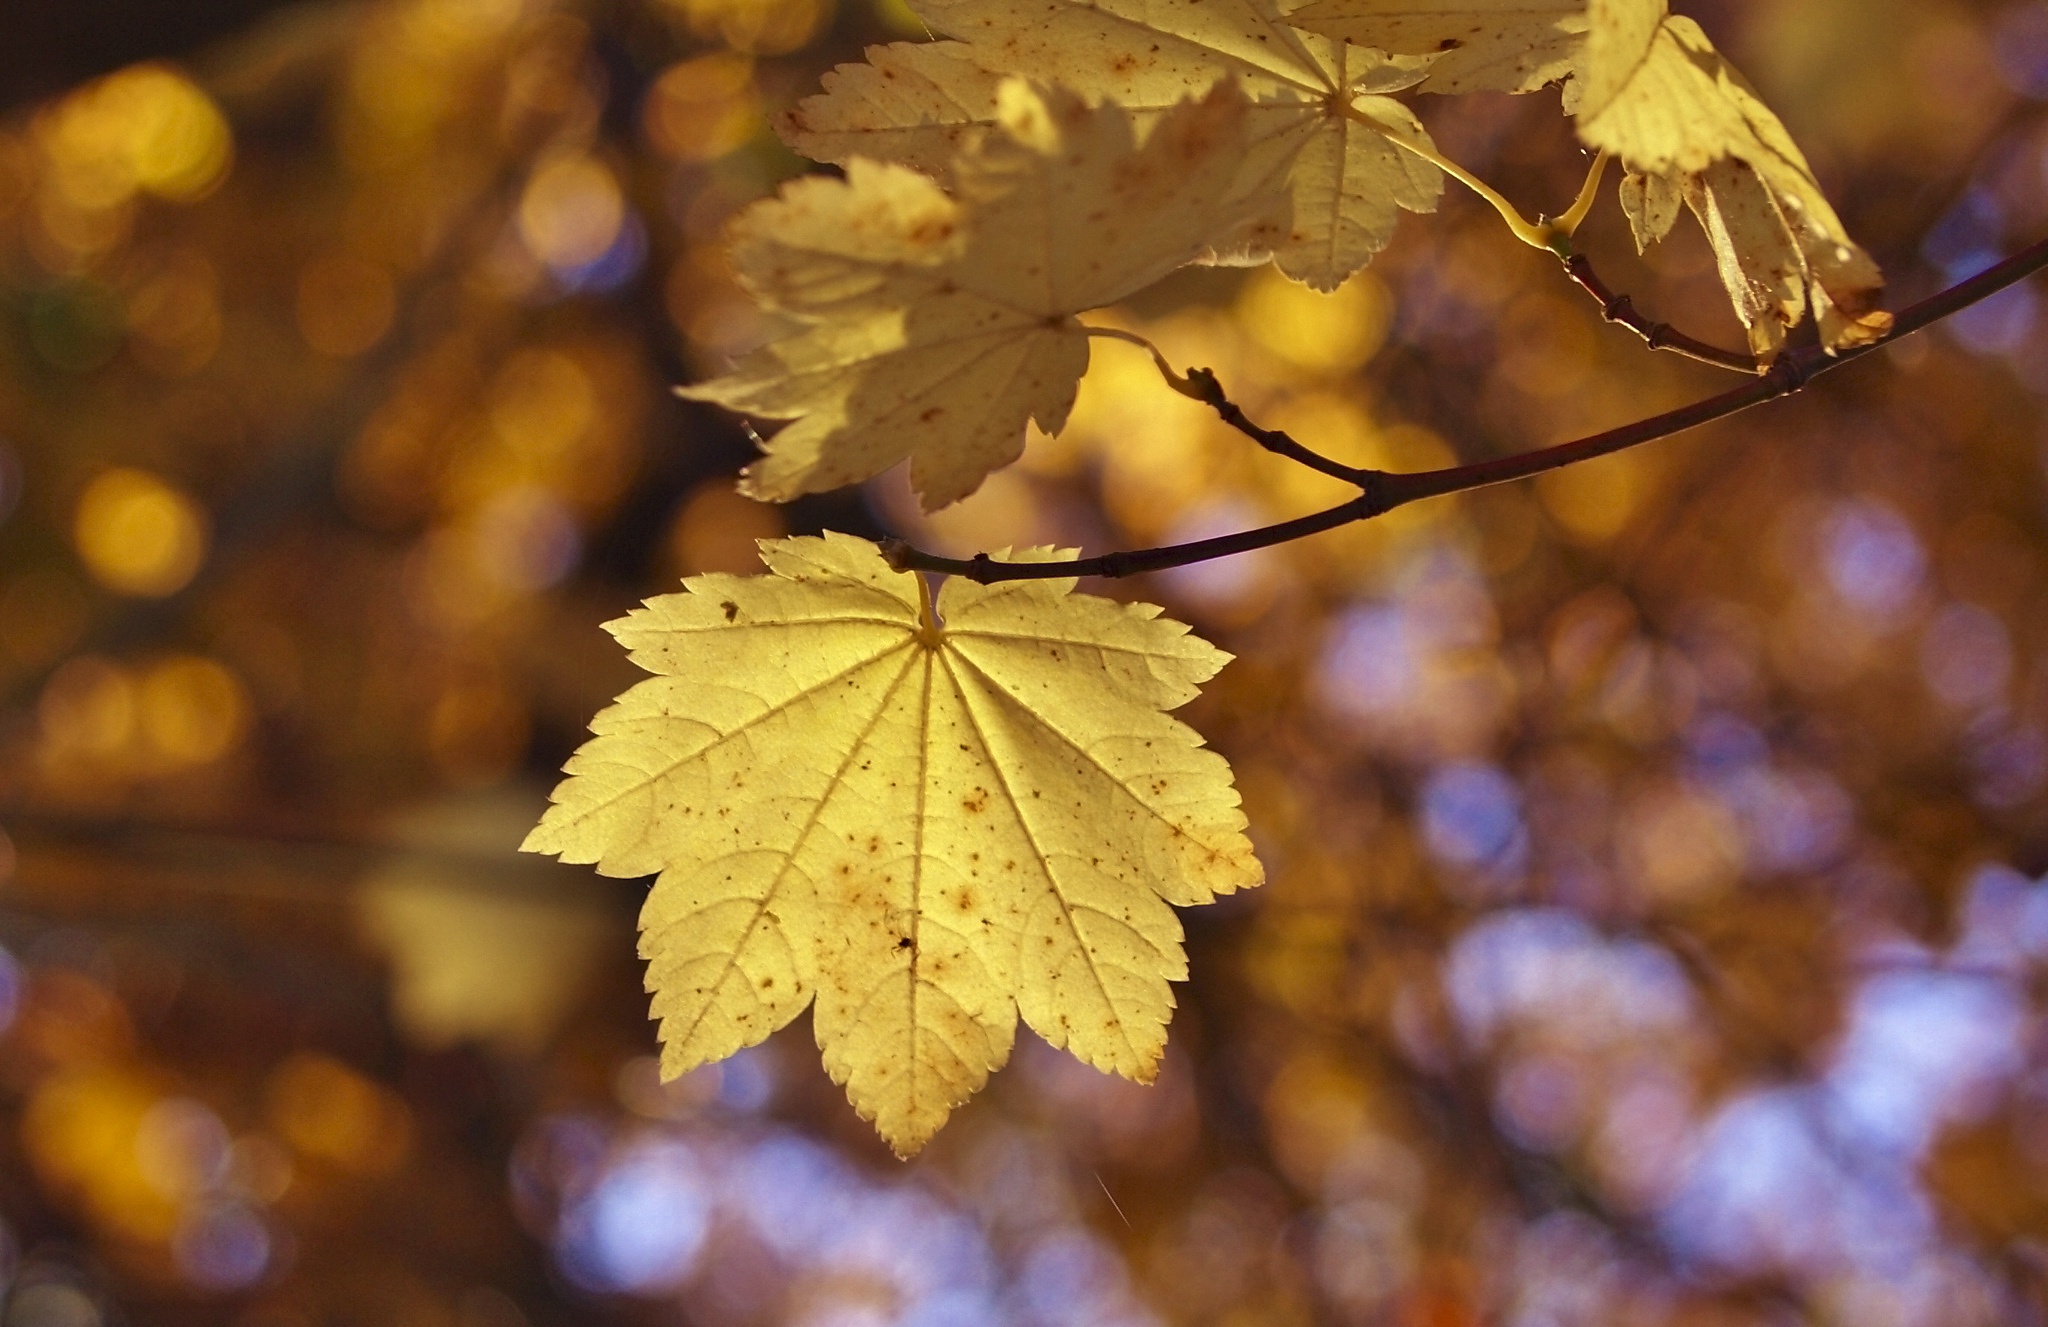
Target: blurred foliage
[(1656, 929)]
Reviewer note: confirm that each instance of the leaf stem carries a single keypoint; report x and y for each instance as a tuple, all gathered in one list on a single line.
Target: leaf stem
[(929, 631), (1382, 492), (1589, 192), (1535, 234)]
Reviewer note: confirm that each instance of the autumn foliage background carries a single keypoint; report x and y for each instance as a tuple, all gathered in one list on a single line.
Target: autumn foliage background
[(1653, 933)]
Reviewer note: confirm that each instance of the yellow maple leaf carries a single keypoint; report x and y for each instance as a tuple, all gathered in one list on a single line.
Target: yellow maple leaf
[(933, 328), (1317, 127), (928, 818), (1472, 45), (1652, 90)]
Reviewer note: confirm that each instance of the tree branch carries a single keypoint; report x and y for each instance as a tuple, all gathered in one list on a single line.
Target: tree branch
[(986, 570), (1383, 492)]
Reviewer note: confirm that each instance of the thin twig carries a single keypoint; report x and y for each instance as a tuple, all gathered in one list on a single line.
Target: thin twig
[(1621, 310), (1202, 385), (1383, 492)]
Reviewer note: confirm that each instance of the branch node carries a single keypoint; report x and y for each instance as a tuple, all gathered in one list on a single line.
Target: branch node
[(1792, 370), (1376, 496), (1203, 385)]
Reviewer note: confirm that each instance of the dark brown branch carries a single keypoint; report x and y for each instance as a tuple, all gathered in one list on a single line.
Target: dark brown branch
[(1384, 492), (1621, 310), (986, 570)]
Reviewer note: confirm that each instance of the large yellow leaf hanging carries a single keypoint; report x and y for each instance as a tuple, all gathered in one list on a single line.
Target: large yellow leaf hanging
[(925, 818)]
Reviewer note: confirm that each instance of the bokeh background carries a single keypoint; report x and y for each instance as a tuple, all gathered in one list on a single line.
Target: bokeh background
[(1656, 929)]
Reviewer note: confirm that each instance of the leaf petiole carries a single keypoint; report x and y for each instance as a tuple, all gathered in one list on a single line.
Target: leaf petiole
[(1568, 225), (930, 632), (1535, 234)]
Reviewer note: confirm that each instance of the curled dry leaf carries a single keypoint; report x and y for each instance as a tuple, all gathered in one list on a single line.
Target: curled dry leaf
[(926, 819), (1317, 127), (933, 328), (1653, 90), (1471, 45)]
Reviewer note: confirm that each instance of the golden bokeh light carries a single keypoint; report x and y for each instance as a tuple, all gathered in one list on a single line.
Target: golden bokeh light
[(139, 535), (571, 210), (192, 711), (80, 1129), (147, 129), (1595, 502), (331, 1113), (757, 27), (1328, 334), (542, 403), (703, 108)]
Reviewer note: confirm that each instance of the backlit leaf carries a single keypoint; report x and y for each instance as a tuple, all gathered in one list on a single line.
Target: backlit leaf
[(925, 827)]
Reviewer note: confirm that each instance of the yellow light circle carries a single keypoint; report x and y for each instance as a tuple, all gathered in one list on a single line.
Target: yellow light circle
[(138, 535), (1334, 333), (757, 27), (328, 1111), (147, 128), (193, 710), (177, 143), (571, 211), (703, 108), (1595, 502)]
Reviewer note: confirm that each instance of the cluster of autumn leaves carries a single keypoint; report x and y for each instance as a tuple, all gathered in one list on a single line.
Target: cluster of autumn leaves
[(1055, 156), (927, 816)]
